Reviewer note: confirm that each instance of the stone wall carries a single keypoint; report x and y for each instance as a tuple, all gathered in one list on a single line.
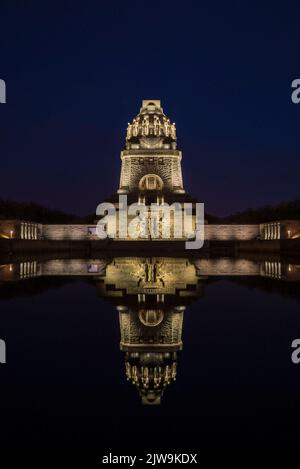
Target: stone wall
[(162, 167), (167, 167), (212, 232), (67, 232), (230, 232)]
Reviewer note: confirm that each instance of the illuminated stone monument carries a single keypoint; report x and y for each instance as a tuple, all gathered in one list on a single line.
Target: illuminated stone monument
[(151, 295), (151, 161), (151, 174)]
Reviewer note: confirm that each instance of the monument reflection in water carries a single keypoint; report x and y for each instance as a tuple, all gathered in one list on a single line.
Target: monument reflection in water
[(151, 295)]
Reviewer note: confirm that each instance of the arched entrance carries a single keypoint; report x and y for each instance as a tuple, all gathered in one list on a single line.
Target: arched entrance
[(151, 182)]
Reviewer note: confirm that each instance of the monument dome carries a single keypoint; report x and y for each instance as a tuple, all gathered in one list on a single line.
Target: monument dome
[(151, 128)]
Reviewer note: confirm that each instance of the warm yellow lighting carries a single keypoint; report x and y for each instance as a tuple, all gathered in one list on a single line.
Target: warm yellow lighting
[(289, 233), (11, 233), (10, 267)]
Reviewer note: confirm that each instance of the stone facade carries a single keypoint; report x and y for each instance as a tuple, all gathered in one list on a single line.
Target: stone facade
[(287, 229), (231, 232), (151, 150), (166, 166), (69, 232), (211, 232)]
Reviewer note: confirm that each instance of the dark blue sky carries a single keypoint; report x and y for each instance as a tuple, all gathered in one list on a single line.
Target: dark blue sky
[(76, 73)]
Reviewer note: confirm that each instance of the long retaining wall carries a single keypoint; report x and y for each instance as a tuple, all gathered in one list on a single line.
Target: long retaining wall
[(66, 232), (231, 232), (211, 232)]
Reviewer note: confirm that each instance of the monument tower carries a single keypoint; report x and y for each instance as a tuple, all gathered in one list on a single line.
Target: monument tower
[(151, 173), (151, 160)]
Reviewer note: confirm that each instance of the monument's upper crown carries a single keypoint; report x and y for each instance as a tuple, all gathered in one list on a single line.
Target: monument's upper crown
[(150, 103), (151, 122)]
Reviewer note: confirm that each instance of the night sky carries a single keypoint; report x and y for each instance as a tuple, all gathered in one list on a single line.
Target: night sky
[(76, 73)]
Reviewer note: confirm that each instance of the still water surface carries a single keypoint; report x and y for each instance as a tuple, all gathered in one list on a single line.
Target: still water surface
[(149, 352)]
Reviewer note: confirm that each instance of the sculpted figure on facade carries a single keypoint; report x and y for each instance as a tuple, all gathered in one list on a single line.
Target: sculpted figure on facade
[(135, 127), (129, 131), (166, 127), (173, 131), (145, 126), (156, 125)]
